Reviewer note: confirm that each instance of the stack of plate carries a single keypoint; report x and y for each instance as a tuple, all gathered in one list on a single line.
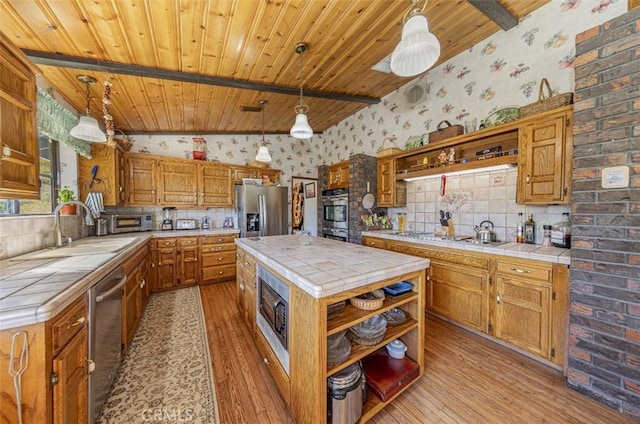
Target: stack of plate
[(368, 332), (338, 348)]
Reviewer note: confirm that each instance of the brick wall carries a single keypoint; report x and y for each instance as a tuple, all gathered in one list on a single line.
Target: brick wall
[(363, 169), (604, 340)]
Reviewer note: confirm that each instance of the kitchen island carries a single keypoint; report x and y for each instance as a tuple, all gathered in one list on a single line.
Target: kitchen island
[(319, 273)]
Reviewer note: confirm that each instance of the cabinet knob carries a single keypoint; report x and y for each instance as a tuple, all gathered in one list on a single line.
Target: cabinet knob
[(241, 286), (521, 271), (92, 365), (78, 322), (220, 258), (498, 298), (120, 189), (527, 179), (266, 361)]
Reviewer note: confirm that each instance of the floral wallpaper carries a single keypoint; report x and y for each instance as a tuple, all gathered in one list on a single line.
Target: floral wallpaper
[(503, 70)]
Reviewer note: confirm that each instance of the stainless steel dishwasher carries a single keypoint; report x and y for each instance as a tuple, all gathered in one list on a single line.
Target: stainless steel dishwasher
[(105, 338)]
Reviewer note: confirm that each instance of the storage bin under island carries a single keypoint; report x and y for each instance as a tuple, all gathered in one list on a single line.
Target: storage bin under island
[(287, 290)]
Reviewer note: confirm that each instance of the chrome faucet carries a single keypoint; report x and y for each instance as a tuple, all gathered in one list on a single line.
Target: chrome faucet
[(57, 235)]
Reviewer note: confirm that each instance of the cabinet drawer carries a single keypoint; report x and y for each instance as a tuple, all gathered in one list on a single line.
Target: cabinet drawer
[(223, 247), (165, 242), (373, 242), (525, 270), (249, 263), (277, 373), (67, 323), (220, 258), (218, 273), (188, 241), (228, 238)]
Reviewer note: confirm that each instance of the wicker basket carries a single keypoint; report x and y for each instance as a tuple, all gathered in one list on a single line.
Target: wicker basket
[(369, 302), (546, 103), (389, 150)]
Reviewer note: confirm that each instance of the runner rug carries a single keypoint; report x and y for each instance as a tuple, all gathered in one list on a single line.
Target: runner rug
[(167, 374)]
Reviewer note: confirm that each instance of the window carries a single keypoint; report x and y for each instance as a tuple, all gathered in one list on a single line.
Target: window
[(49, 183)]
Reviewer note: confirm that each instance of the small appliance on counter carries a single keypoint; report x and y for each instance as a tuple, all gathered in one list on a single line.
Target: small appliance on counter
[(186, 224), (117, 224), (206, 223), (101, 227), (168, 214)]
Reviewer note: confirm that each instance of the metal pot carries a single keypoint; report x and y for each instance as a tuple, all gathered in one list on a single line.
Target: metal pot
[(485, 234)]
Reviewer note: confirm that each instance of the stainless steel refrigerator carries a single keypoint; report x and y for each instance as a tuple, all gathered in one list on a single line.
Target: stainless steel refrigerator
[(262, 210)]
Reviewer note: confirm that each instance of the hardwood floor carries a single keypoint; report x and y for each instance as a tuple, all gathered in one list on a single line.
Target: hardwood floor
[(467, 380)]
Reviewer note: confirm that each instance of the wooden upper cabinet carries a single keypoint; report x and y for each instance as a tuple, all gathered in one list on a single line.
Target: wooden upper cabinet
[(390, 191), (110, 176), (178, 183), (339, 175), (545, 154), (141, 182), (216, 185), (19, 152), (240, 172)]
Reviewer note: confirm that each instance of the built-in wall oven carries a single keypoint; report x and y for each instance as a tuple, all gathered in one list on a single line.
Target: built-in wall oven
[(273, 314), (335, 214)]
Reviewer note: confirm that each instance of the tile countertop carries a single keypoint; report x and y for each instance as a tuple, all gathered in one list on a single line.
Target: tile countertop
[(327, 267), (518, 250), (36, 290)]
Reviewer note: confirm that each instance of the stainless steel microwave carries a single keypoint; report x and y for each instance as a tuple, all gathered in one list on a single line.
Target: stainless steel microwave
[(129, 223)]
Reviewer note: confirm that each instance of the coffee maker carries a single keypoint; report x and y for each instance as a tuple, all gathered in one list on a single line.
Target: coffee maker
[(206, 224), (167, 218)]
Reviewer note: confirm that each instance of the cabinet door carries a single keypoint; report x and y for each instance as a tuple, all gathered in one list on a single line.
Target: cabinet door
[(109, 178), (70, 391), (339, 175), (19, 151), (216, 185), (141, 184), (178, 183), (522, 314), (545, 160), (189, 266), (459, 293), (166, 262)]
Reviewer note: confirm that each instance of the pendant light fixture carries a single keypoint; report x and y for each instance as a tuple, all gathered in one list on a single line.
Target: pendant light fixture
[(263, 153), (88, 129), (301, 128), (418, 49)]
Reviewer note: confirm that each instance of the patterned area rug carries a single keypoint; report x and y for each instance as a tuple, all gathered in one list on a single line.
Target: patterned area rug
[(166, 375)]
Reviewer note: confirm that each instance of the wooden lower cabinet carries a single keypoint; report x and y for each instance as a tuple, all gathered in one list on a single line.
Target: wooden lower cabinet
[(246, 285), (217, 258), (165, 260), (135, 294), (70, 390), (519, 301), (459, 293), (189, 270)]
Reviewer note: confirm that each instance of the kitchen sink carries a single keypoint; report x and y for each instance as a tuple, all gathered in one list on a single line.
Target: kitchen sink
[(81, 247)]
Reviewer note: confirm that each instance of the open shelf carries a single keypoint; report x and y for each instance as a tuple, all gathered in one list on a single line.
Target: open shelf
[(360, 351), (352, 315)]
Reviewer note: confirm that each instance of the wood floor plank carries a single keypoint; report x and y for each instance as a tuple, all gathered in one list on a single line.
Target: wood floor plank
[(468, 379)]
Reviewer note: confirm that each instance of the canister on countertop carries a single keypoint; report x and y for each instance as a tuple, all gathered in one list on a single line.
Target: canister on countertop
[(561, 232)]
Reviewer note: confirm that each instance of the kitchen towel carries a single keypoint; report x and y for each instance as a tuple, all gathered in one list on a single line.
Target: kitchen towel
[(95, 204)]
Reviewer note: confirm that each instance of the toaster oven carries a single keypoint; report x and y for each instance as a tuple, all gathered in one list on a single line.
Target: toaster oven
[(117, 224)]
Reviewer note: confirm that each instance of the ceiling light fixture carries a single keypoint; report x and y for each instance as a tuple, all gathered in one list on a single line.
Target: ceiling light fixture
[(88, 129), (301, 128), (263, 153), (418, 49)]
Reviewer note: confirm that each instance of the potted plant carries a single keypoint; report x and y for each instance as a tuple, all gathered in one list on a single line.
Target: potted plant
[(65, 194)]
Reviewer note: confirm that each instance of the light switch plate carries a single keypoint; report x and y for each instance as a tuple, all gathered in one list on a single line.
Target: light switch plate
[(615, 177)]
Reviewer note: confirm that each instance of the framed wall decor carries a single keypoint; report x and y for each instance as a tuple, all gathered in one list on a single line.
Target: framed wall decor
[(310, 190)]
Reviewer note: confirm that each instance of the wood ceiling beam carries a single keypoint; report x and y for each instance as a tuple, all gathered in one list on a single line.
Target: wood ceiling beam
[(495, 11), (74, 62)]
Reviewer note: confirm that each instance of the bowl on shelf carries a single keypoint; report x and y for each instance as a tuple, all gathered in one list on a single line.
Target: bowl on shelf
[(368, 332)]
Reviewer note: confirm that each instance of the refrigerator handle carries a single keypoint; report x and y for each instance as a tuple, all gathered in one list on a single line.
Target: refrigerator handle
[(262, 214)]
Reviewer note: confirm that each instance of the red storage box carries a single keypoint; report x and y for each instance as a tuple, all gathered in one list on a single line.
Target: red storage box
[(386, 375)]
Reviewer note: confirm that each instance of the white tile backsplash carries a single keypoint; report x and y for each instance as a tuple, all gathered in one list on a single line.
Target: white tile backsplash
[(473, 198)]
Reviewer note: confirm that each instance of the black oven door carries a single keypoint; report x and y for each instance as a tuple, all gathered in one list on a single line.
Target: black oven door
[(273, 309)]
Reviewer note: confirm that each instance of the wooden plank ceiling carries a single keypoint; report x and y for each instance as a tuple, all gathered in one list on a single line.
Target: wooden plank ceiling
[(240, 40)]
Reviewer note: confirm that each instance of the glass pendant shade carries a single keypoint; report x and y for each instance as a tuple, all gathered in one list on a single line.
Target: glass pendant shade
[(88, 129), (263, 154), (418, 49), (301, 128)]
